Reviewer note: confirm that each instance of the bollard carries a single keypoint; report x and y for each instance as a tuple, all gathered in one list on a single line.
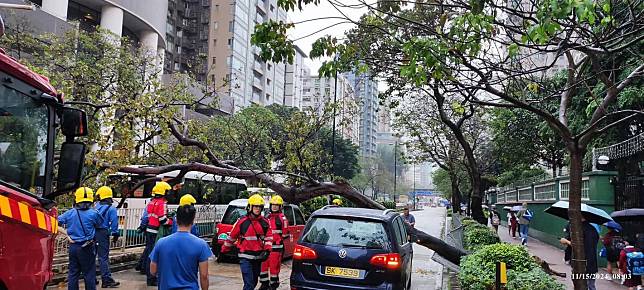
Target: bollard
[(501, 275)]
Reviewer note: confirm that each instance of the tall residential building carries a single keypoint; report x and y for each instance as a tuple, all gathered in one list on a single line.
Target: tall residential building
[(234, 65), (323, 92), (384, 119), (188, 26), (366, 90), (420, 175), (142, 23), (297, 75)]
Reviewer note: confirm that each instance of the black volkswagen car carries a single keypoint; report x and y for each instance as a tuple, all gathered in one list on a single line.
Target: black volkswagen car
[(353, 248)]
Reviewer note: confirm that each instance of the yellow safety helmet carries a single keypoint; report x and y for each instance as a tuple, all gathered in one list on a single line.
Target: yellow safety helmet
[(276, 199), (84, 194), (256, 200), (337, 202), (160, 188), (104, 192), (187, 199)]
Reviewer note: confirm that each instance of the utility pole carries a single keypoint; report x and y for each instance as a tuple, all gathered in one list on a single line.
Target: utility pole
[(414, 196), (335, 98), (395, 167)]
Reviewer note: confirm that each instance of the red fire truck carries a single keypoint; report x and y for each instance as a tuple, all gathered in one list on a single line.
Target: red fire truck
[(35, 166)]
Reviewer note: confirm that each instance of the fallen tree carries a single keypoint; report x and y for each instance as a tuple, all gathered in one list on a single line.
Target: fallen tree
[(298, 194), (304, 191)]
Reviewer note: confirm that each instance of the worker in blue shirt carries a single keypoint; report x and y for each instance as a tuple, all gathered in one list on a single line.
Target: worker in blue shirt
[(187, 199), (109, 227), (181, 259), (81, 223)]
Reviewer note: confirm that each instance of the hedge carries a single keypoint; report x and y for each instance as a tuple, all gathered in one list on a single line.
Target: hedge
[(478, 269), (477, 237)]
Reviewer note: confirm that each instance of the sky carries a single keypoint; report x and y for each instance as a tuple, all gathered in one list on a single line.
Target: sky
[(325, 9)]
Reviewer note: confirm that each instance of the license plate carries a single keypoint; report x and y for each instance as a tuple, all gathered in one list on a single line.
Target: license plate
[(342, 272)]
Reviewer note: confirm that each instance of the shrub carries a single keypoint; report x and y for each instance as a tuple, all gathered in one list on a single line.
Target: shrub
[(478, 269), (535, 279), (388, 204), (476, 237), (470, 222)]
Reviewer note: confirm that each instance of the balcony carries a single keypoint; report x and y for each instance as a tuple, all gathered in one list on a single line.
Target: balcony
[(257, 83), (260, 6)]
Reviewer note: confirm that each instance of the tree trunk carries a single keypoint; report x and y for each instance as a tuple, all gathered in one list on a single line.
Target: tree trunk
[(456, 193), (574, 215), (440, 247)]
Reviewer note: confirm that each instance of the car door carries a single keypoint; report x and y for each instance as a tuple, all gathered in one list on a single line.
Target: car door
[(299, 224), (289, 244), (406, 249)]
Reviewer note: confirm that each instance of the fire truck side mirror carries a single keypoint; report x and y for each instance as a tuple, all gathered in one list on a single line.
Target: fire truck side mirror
[(70, 166), (74, 122)]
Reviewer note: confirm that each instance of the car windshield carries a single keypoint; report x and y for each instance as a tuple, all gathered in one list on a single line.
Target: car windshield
[(233, 213), (346, 233), (23, 140)]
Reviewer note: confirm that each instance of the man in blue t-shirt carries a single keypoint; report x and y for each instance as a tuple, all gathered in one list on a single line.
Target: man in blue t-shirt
[(178, 257)]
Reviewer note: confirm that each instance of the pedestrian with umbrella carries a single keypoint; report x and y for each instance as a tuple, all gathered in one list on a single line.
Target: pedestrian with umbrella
[(613, 243), (591, 236), (524, 216)]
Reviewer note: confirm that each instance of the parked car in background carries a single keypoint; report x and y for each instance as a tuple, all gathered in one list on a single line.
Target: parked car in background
[(237, 209), (353, 248)]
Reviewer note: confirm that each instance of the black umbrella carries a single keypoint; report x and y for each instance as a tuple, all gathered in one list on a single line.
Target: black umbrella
[(628, 214), (591, 214)]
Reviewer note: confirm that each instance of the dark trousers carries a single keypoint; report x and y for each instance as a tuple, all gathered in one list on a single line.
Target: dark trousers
[(250, 272), (103, 253), (82, 260), (150, 240)]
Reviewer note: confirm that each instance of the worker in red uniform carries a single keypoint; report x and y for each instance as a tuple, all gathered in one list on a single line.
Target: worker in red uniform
[(254, 240), (279, 224), (156, 210)]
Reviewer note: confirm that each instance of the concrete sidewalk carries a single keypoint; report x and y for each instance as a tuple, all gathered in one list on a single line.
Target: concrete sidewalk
[(554, 257)]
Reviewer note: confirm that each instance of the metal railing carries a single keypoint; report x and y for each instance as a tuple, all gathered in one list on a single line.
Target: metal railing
[(130, 218)]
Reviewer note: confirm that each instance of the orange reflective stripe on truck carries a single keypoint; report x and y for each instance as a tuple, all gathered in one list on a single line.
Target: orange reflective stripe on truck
[(24, 213)]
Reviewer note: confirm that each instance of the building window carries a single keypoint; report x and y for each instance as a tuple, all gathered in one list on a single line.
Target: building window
[(272, 8), (544, 192), (230, 43), (525, 193), (231, 27), (269, 66), (217, 8), (215, 25), (268, 82), (585, 189), (214, 42), (214, 60), (564, 190)]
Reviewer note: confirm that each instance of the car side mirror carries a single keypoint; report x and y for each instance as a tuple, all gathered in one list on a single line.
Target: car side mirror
[(70, 166), (74, 122)]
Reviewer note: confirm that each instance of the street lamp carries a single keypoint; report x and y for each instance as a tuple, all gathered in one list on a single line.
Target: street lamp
[(414, 191), (395, 168)]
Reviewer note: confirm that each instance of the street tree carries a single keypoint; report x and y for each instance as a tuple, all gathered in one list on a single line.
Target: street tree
[(522, 139)]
